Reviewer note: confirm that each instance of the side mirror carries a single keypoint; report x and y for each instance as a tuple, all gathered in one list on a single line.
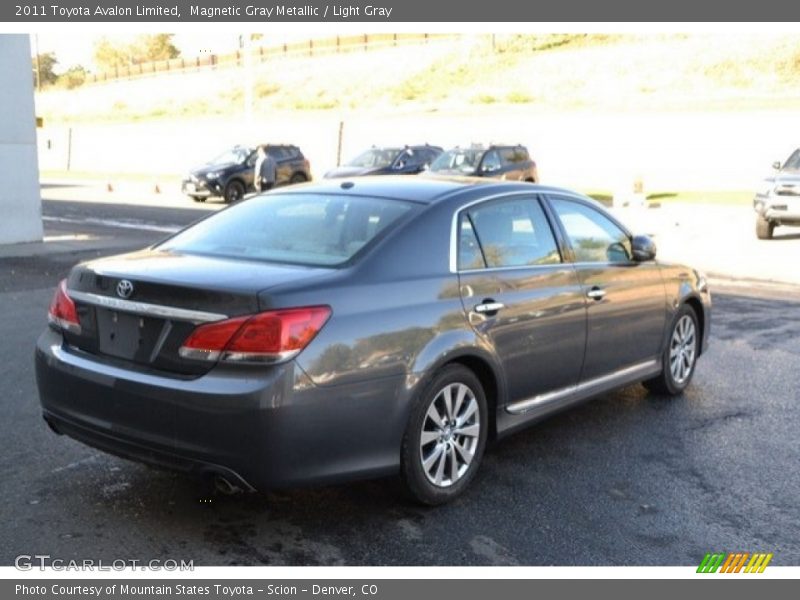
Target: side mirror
[(643, 248), (776, 165)]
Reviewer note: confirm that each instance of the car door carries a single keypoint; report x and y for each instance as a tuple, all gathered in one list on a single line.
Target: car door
[(626, 299), (283, 164), (520, 296), (247, 173), (407, 162)]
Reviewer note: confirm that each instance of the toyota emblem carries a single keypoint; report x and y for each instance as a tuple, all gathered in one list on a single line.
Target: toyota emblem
[(124, 288)]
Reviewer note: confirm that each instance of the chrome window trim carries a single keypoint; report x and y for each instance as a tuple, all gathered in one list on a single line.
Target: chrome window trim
[(642, 369), (534, 193), (551, 266), (145, 308)]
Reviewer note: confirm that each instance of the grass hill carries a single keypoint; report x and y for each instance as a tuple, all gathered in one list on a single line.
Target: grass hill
[(544, 72)]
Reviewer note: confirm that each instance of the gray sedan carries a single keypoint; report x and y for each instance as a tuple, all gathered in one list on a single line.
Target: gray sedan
[(363, 328)]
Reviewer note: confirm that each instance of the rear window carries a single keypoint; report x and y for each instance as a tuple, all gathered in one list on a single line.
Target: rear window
[(306, 229)]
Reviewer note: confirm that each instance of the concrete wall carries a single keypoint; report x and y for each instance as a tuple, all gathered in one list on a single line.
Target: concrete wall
[(20, 202)]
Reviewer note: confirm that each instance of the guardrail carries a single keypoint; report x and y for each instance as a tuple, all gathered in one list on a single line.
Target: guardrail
[(260, 54)]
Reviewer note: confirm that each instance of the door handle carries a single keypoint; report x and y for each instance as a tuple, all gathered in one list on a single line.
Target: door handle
[(596, 293), (489, 306)]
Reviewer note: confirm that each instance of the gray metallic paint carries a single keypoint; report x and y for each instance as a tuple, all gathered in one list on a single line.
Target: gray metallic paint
[(339, 409)]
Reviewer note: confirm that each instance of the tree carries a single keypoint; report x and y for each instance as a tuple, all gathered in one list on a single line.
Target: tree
[(109, 55), (47, 64), (154, 47), (73, 77)]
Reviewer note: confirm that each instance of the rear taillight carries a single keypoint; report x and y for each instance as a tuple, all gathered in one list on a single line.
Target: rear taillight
[(271, 336), (62, 313)]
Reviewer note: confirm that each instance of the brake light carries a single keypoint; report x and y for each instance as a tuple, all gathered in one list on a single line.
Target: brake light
[(62, 313), (271, 336)]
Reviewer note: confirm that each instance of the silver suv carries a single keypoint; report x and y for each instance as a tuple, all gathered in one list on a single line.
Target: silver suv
[(778, 202)]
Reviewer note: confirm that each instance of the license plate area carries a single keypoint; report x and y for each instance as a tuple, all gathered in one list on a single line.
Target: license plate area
[(128, 336)]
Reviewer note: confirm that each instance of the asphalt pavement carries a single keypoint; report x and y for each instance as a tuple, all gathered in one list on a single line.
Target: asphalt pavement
[(626, 479)]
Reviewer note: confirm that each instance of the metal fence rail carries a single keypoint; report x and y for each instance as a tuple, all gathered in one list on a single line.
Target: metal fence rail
[(261, 54)]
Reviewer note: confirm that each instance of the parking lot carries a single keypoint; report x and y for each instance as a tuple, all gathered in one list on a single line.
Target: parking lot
[(629, 478)]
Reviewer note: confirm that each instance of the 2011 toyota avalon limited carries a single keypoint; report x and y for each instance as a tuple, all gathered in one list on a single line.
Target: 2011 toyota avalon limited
[(359, 329)]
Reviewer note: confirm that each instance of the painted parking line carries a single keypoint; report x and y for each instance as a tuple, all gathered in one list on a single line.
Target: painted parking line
[(115, 223)]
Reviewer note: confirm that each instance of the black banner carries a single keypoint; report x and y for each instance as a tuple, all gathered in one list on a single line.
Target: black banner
[(390, 589), (394, 11)]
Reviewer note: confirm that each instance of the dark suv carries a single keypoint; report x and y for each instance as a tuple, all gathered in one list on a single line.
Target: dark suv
[(512, 163), (393, 160), (230, 175)]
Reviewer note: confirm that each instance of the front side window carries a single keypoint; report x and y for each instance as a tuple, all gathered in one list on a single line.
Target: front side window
[(793, 162), (594, 237), (491, 162), (507, 233), (306, 229), (457, 160)]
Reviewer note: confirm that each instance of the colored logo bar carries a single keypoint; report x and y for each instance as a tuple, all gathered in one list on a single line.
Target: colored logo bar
[(734, 562)]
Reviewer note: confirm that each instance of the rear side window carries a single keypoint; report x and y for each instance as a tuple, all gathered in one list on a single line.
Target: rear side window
[(594, 237), (306, 229), (514, 155), (508, 233), (277, 152)]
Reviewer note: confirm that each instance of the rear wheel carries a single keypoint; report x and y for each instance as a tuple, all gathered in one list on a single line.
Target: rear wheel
[(764, 228), (445, 437), (298, 178), (680, 355), (234, 192), (199, 198)]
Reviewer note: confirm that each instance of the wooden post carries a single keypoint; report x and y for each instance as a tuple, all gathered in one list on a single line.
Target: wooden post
[(339, 144), (69, 148)]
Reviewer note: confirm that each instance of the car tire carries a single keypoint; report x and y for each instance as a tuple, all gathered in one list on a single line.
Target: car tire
[(199, 198), (445, 437), (298, 178), (680, 355), (764, 228), (234, 192)]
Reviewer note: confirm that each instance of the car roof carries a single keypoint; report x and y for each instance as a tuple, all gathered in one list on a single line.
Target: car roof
[(425, 189)]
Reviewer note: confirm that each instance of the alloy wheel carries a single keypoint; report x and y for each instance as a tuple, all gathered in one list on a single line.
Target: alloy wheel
[(683, 349), (450, 435)]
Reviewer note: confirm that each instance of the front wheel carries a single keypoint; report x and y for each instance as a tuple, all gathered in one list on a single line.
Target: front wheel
[(445, 437), (234, 192), (764, 228), (680, 355)]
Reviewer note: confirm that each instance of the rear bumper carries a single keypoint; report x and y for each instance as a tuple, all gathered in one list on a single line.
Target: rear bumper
[(260, 428)]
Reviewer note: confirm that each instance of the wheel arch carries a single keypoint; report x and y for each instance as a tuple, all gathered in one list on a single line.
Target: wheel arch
[(699, 312), (484, 367)]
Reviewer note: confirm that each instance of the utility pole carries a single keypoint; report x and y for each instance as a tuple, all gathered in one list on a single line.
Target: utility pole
[(38, 71), (247, 48)]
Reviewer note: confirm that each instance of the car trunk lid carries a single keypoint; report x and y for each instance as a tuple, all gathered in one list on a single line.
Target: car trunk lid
[(139, 308)]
